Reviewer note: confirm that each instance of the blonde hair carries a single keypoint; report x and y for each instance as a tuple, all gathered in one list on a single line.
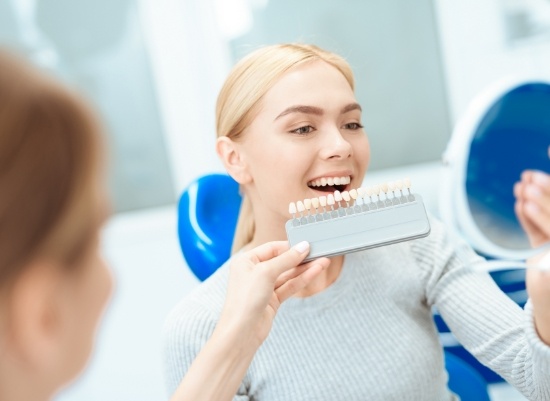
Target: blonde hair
[(49, 170), (240, 97)]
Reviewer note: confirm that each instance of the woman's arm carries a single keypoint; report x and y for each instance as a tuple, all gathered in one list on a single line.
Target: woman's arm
[(259, 281), (538, 288)]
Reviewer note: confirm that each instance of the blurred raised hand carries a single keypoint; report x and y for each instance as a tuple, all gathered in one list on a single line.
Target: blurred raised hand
[(532, 206)]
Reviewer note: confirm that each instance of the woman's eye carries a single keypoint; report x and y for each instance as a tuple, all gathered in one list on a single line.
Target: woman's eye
[(306, 129), (353, 126)]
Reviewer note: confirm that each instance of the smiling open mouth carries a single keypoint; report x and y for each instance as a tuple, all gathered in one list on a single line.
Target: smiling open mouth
[(330, 184)]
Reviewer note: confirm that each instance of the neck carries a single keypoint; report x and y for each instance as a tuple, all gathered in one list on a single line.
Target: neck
[(324, 279)]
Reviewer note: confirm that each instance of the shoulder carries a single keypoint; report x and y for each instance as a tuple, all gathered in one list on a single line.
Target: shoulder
[(190, 324), (201, 307), (441, 245)]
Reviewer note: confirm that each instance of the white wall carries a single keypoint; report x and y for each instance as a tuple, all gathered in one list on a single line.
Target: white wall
[(475, 52)]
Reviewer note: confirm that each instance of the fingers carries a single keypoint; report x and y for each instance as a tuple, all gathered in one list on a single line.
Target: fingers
[(294, 272), (296, 284), (287, 260), (537, 216), (533, 205), (542, 181), (535, 234), (267, 251)]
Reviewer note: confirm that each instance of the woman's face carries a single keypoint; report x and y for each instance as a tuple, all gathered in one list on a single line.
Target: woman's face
[(307, 134)]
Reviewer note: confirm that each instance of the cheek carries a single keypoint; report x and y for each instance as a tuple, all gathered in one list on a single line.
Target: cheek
[(362, 152), (94, 295)]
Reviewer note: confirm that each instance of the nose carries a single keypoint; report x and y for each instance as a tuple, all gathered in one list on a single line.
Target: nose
[(335, 146)]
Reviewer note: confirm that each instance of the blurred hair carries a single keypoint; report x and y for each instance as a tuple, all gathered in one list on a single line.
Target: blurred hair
[(49, 170), (240, 98)]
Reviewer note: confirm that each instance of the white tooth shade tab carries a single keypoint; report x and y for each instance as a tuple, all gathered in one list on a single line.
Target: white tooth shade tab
[(407, 182), (323, 200), (292, 208), (330, 199), (361, 192), (315, 202), (353, 193), (337, 196), (307, 204), (399, 184), (300, 206), (346, 196)]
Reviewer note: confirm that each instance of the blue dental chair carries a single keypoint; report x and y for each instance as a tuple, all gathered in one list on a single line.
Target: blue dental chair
[(207, 217)]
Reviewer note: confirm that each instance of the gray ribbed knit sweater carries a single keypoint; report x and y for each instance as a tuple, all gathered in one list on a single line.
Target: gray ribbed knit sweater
[(370, 335)]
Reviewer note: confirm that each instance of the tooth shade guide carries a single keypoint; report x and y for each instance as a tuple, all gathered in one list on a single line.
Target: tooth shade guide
[(361, 230), (362, 199)]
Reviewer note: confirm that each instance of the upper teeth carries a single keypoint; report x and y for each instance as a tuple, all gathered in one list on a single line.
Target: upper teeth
[(321, 182)]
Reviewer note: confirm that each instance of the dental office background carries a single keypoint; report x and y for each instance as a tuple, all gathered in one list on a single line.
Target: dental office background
[(153, 69)]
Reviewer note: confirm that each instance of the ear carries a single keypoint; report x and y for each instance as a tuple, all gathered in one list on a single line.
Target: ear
[(34, 316), (233, 159)]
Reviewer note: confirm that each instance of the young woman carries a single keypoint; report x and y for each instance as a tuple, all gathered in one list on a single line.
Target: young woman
[(289, 128), (54, 284)]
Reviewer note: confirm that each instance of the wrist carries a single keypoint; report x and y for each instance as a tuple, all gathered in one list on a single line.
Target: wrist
[(237, 335)]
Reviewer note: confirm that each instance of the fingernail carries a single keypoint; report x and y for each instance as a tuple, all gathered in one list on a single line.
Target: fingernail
[(302, 246), (533, 191)]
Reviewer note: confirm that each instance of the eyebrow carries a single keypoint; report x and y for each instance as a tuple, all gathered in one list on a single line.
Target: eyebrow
[(350, 107), (316, 110)]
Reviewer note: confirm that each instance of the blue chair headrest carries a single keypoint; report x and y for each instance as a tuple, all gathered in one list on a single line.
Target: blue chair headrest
[(207, 218)]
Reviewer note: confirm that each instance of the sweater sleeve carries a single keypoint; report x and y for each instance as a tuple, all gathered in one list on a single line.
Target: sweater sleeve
[(484, 319), (186, 331)]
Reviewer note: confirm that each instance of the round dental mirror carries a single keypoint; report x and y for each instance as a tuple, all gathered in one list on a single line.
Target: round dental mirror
[(505, 131)]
